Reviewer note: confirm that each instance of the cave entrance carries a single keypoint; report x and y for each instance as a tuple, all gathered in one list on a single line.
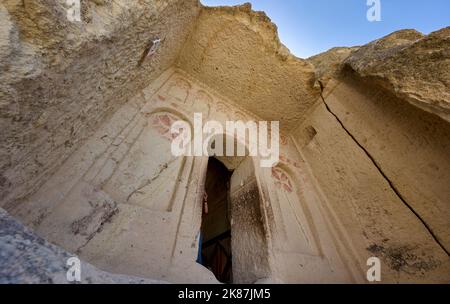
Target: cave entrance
[(233, 238), (216, 253)]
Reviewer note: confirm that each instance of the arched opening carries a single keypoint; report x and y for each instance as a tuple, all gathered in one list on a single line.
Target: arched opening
[(233, 241), (216, 253)]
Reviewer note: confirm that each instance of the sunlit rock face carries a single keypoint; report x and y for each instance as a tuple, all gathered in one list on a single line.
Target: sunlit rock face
[(328, 65), (60, 79), (237, 51), (413, 66), (29, 259), (86, 110)]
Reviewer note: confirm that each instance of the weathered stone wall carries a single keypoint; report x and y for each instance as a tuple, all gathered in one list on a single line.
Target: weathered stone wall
[(248, 236), (29, 259), (60, 79), (118, 200), (85, 156), (410, 147), (123, 203), (378, 146), (380, 158), (412, 66), (369, 216), (236, 51), (114, 201)]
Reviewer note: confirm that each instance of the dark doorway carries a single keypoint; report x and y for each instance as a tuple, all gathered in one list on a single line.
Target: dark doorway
[(216, 228)]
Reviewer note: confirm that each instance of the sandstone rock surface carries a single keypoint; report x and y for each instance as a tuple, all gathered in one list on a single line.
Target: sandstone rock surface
[(329, 64), (237, 52), (86, 162), (60, 79), (413, 66), (28, 259)]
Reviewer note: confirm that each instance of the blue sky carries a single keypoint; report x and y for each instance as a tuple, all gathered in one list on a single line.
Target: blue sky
[(309, 27)]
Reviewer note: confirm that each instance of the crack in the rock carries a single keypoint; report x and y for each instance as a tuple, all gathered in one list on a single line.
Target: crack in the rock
[(380, 170), (109, 216), (106, 218), (151, 180)]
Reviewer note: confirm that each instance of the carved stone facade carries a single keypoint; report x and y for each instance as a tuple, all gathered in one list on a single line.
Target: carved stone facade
[(363, 171), (124, 203)]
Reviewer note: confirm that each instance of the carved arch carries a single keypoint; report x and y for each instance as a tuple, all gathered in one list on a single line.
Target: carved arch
[(294, 215), (178, 89)]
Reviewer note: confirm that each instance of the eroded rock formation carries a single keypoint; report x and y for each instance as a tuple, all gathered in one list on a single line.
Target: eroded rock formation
[(414, 67), (237, 52), (85, 154)]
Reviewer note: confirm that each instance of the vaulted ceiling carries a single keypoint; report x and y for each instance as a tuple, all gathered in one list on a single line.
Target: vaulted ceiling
[(237, 52)]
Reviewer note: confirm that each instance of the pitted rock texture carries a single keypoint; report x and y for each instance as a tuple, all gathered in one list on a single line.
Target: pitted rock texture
[(413, 66), (85, 161), (60, 79), (329, 64), (28, 259), (236, 51)]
